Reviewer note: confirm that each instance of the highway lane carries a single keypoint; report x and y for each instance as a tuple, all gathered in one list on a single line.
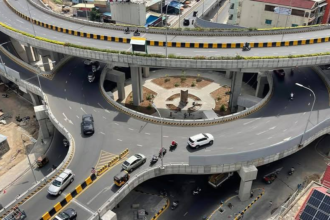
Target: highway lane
[(7, 16), (71, 95), (55, 153)]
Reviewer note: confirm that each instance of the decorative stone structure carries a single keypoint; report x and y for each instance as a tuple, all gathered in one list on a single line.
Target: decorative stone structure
[(184, 98), (4, 146)]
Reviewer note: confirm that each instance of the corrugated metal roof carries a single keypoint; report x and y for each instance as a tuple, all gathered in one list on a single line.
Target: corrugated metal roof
[(306, 4)]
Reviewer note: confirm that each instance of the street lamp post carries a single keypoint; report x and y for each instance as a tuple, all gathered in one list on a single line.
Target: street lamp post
[(167, 28), (27, 155), (161, 136), (86, 10), (301, 140)]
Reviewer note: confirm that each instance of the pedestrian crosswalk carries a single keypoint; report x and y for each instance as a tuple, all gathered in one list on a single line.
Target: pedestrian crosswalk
[(104, 159)]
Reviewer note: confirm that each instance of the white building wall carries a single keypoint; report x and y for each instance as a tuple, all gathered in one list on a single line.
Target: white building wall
[(253, 14), (128, 13)]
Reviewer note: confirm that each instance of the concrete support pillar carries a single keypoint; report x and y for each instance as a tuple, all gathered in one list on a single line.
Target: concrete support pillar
[(4, 80), (29, 53), (45, 59), (36, 100), (247, 174), (236, 86), (55, 57), (262, 81), (229, 74), (119, 78), (42, 117), (145, 72), (136, 85), (36, 54)]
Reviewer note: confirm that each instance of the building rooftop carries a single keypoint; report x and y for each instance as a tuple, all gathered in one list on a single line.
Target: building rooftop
[(306, 4)]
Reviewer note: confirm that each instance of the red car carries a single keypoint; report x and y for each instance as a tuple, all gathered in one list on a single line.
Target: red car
[(279, 72)]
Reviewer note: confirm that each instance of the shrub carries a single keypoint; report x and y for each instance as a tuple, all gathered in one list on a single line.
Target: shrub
[(193, 84), (131, 102), (183, 76), (149, 97), (166, 78), (176, 84), (149, 107), (222, 108), (218, 98), (199, 79)]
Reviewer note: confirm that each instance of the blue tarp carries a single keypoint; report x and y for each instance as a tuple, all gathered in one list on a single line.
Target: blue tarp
[(175, 4), (151, 19), (107, 14)]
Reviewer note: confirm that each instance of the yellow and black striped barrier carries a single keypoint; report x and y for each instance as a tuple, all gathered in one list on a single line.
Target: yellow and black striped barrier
[(113, 161), (123, 154), (240, 215), (161, 210), (99, 172), (68, 197), (173, 44)]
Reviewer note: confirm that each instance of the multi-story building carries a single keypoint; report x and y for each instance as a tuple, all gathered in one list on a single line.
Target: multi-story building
[(276, 13)]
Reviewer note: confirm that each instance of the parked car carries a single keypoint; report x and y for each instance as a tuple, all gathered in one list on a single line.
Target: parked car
[(68, 214), (61, 182), (42, 161), (200, 140), (133, 162), (279, 72), (89, 62), (88, 124)]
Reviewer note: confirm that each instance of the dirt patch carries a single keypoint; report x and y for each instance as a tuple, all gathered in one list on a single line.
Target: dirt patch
[(173, 107), (11, 107), (190, 96), (56, 6), (221, 97), (145, 106), (182, 81)]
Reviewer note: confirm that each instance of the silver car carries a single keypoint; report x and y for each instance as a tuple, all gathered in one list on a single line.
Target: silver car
[(133, 162), (62, 181)]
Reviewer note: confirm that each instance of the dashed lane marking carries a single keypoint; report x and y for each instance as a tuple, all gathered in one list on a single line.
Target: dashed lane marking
[(83, 110), (147, 133), (82, 206), (131, 129), (139, 145), (119, 140), (102, 133)]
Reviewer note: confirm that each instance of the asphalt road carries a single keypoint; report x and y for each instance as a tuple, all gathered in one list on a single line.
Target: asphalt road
[(10, 18)]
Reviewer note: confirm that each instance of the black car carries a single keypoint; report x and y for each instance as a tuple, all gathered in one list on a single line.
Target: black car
[(186, 22), (87, 124), (279, 72), (68, 214)]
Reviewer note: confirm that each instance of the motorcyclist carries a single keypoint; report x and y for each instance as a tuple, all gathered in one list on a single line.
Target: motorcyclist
[(291, 95), (174, 143), (127, 30), (292, 169), (247, 45), (136, 31)]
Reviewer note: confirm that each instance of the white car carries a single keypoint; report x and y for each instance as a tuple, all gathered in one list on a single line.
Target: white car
[(133, 162), (200, 140), (62, 181)]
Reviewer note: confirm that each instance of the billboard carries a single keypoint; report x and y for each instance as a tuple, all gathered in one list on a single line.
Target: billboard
[(283, 11)]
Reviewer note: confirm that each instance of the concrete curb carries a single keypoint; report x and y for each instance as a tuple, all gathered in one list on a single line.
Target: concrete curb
[(240, 215)]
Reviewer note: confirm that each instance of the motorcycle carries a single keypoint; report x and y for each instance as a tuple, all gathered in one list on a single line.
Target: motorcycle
[(173, 146), (126, 31), (163, 150), (136, 33), (196, 191), (246, 48), (291, 172), (65, 142), (153, 160)]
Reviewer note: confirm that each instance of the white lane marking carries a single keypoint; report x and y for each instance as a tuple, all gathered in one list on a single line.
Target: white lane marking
[(106, 110), (66, 81), (104, 117), (185, 214), (116, 123), (20, 21), (77, 116), (309, 103), (165, 136), (82, 206), (66, 119), (131, 129), (102, 133), (251, 121), (269, 138), (261, 132), (272, 128), (304, 113), (147, 133), (119, 140), (94, 110), (83, 110), (139, 145), (70, 107), (64, 90), (286, 139), (284, 130), (251, 144)]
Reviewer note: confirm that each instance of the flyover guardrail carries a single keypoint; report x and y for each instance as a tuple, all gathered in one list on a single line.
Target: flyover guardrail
[(187, 31)]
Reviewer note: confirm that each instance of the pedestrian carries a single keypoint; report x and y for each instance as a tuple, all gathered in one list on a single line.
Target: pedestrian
[(292, 95), (93, 170), (270, 203), (251, 194), (185, 115), (230, 205)]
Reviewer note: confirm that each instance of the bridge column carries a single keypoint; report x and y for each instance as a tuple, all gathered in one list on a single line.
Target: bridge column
[(29, 53), (262, 81), (247, 174), (45, 59), (145, 72), (36, 100), (119, 78), (236, 85), (136, 85), (42, 118), (229, 74)]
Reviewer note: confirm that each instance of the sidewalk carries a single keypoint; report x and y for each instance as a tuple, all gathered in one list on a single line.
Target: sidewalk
[(233, 208)]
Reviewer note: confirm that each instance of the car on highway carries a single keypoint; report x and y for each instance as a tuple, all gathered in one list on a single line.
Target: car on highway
[(68, 214), (89, 62), (134, 162), (88, 124), (279, 72), (186, 22), (199, 140), (61, 182), (175, 205)]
